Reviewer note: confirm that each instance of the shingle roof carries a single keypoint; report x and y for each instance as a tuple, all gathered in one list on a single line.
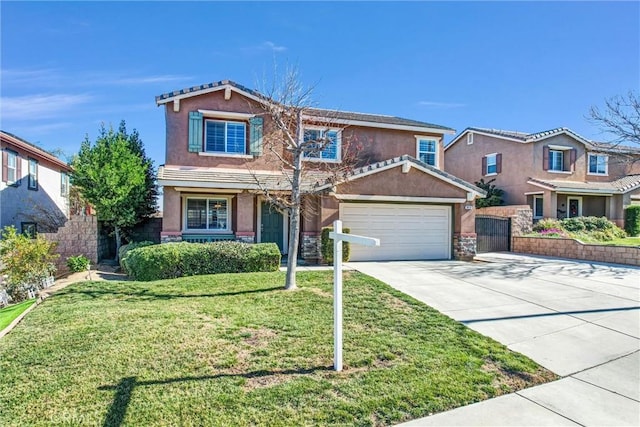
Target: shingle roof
[(356, 173), (313, 181), (620, 186), (319, 112), (525, 137), (375, 118), (34, 149), (236, 178)]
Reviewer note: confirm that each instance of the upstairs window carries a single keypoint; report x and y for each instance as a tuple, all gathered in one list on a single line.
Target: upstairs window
[(225, 137), (322, 144), (556, 160), (598, 164), (470, 138), (428, 151), (10, 168), (33, 174), (559, 158), (492, 164), (207, 214), (64, 184)]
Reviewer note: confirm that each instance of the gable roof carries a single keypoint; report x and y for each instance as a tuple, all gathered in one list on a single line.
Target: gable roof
[(524, 137), (32, 149), (619, 186), (313, 181), (339, 117), (409, 161)]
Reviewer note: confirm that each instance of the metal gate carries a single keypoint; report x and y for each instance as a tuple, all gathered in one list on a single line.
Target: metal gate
[(493, 233)]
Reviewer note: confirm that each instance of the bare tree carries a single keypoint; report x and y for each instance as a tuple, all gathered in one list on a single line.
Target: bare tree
[(620, 117), (288, 106)]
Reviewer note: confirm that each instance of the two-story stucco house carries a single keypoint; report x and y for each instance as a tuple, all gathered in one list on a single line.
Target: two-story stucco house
[(557, 172), (34, 187), (397, 191)]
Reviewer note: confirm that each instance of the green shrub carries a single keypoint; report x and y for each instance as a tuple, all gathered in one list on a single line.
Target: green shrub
[(172, 260), (124, 250), (27, 262), (547, 224), (78, 263), (632, 220), (326, 246), (593, 228), (573, 225)]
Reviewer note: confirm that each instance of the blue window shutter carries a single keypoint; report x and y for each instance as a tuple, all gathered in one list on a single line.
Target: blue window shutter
[(255, 135), (195, 131)]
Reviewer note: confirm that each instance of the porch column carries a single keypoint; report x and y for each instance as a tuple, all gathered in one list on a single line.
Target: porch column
[(550, 204), (464, 235), (244, 217), (172, 205)]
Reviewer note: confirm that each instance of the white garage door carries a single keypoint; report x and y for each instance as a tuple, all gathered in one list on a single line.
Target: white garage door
[(406, 232)]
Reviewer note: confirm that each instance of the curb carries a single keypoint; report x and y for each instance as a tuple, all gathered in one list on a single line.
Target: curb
[(17, 320)]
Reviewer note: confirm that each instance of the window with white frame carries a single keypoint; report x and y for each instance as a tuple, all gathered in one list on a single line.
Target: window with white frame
[(492, 164), (207, 214), (598, 164), (12, 167), (225, 137), (428, 151), (321, 144), (537, 207), (33, 174), (556, 160), (64, 184), (470, 138)]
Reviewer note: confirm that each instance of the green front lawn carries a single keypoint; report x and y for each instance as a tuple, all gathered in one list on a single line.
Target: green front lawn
[(627, 241), (10, 313), (238, 350)]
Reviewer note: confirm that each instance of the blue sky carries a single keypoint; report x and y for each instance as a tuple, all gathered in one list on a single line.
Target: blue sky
[(66, 67)]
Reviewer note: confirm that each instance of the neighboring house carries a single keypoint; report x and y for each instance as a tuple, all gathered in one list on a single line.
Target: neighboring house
[(557, 172), (215, 166), (34, 187)]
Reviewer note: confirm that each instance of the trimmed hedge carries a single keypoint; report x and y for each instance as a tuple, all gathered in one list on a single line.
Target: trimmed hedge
[(124, 250), (326, 246), (170, 260), (632, 220)]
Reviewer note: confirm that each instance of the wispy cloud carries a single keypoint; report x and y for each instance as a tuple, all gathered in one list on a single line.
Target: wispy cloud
[(265, 46), (40, 105), (29, 76), (436, 104)]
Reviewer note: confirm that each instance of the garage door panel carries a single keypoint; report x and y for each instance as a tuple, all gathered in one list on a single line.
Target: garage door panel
[(405, 231)]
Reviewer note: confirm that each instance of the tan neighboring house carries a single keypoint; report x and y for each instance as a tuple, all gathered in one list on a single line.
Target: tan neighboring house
[(557, 172), (34, 187), (216, 165)]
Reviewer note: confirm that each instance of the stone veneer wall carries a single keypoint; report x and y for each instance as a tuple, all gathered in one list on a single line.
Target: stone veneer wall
[(78, 236), (571, 248), (310, 246), (464, 246)]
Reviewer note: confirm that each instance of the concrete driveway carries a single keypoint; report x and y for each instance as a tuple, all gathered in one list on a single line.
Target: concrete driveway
[(581, 320)]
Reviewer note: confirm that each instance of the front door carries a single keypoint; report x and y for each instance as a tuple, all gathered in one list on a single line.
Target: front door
[(574, 207), (271, 225)]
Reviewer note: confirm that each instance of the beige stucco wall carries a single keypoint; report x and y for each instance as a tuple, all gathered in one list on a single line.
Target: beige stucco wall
[(465, 161)]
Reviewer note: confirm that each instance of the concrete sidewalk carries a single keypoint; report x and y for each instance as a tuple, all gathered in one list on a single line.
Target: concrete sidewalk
[(581, 320)]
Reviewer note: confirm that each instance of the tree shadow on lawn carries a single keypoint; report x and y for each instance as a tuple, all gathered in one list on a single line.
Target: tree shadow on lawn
[(147, 294), (124, 389)]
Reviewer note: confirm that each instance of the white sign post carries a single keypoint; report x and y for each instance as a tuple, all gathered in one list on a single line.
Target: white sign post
[(338, 237)]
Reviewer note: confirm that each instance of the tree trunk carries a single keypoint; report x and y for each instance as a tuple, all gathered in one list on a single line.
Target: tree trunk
[(294, 222), (118, 240)]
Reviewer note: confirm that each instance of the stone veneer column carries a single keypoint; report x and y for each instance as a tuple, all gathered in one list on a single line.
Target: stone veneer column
[(310, 246), (464, 246), (244, 217)]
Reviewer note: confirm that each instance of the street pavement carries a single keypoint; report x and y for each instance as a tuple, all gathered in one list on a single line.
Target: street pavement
[(578, 319)]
